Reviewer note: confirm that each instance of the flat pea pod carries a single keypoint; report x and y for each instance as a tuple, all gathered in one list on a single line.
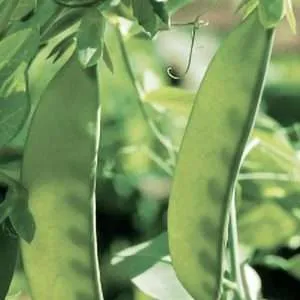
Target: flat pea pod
[(9, 246), (59, 172), (221, 120)]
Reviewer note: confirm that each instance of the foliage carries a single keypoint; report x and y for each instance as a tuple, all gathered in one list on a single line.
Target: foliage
[(143, 121)]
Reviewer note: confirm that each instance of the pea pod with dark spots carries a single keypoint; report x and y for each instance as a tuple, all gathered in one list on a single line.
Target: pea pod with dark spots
[(220, 123), (59, 172)]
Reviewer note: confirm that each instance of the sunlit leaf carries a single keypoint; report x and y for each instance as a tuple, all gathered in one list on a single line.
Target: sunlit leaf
[(148, 265), (17, 48), (23, 8), (160, 9), (176, 100), (90, 38), (266, 219), (145, 15), (14, 103), (293, 266)]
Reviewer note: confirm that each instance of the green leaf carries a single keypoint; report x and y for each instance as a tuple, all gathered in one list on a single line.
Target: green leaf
[(148, 265), (16, 48), (293, 266), (14, 103), (266, 219), (145, 15), (159, 7), (64, 21), (176, 100), (90, 38), (45, 11), (23, 222), (15, 206), (23, 8), (6, 10), (246, 7), (271, 12), (18, 289)]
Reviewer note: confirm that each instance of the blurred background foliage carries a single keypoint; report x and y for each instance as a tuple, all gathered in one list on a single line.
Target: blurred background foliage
[(136, 165)]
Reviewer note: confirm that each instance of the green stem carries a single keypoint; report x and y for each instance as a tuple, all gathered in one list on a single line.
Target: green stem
[(151, 125), (236, 275), (269, 176), (7, 11)]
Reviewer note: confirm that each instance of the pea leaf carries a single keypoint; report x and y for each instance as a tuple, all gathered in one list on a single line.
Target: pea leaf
[(6, 10), (176, 100), (90, 38), (148, 265), (23, 8), (266, 219), (293, 266), (18, 47), (246, 7), (15, 206), (159, 7), (145, 15), (14, 103), (16, 51), (64, 21), (271, 12)]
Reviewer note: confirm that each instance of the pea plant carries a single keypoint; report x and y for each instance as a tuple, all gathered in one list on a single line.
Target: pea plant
[(60, 60)]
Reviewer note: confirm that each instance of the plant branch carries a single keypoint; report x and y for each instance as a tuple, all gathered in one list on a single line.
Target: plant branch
[(140, 93), (236, 275)]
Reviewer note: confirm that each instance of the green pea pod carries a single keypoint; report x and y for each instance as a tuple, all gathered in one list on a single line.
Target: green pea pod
[(209, 159), (8, 257), (59, 172), (271, 12)]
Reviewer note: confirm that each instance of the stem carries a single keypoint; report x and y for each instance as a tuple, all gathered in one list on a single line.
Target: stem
[(6, 14), (268, 176), (278, 152), (151, 125), (159, 162), (233, 251)]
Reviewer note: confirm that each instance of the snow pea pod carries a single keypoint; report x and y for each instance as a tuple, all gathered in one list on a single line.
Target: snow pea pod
[(59, 172), (220, 123)]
